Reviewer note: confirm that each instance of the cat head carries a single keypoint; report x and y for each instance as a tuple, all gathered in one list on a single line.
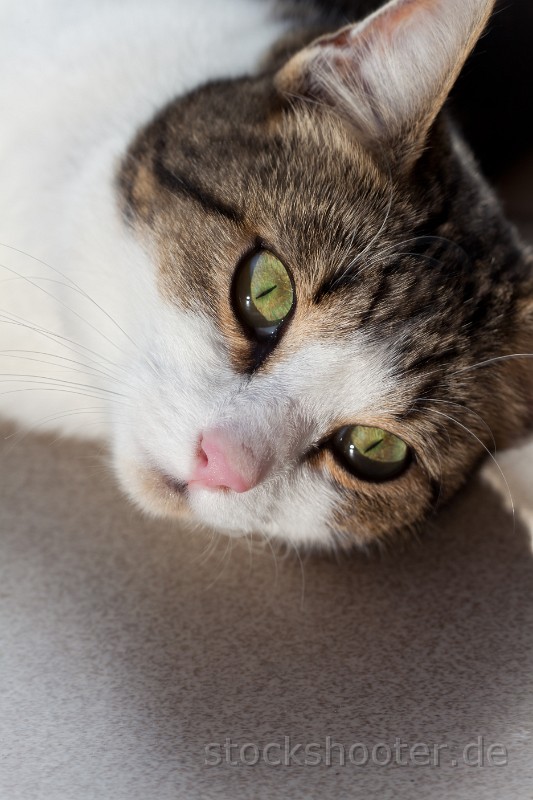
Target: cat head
[(327, 285)]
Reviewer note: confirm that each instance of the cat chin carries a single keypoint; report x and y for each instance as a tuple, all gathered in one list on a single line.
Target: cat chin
[(159, 495)]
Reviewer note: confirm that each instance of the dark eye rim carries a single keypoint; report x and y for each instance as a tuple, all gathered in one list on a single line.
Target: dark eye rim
[(330, 445), (265, 344)]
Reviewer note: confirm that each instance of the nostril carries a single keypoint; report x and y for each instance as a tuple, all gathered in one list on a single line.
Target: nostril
[(201, 456)]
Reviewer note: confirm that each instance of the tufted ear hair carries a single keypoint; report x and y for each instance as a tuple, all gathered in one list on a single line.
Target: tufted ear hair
[(390, 74)]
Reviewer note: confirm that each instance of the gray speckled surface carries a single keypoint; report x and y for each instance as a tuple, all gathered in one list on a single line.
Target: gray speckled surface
[(126, 645)]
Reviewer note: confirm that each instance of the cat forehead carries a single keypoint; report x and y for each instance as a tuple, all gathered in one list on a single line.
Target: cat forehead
[(217, 175), (208, 184), (236, 149)]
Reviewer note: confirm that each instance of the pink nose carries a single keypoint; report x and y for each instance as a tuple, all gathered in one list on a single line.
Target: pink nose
[(224, 464)]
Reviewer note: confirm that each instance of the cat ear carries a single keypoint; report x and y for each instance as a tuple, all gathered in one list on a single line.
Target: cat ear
[(390, 74)]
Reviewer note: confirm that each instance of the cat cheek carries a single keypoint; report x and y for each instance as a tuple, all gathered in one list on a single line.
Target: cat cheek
[(378, 513), (151, 490)]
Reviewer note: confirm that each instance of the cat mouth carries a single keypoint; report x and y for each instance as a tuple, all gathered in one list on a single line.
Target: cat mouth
[(175, 485), (154, 476), (157, 491)]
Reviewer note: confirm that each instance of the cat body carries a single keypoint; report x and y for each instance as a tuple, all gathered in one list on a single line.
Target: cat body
[(149, 150)]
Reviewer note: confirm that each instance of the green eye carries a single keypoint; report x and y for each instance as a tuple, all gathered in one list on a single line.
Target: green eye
[(263, 293), (371, 453)]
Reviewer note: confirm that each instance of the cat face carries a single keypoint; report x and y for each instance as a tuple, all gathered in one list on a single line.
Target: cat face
[(324, 270)]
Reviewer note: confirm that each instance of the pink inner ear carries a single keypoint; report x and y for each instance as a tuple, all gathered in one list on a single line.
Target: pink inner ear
[(402, 10), (385, 22), (342, 39)]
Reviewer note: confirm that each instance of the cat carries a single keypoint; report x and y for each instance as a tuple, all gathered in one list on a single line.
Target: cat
[(247, 245)]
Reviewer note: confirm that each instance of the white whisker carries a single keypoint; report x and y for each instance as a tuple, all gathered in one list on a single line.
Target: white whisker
[(14, 377), (46, 388), (495, 360), (376, 235), (486, 449), (11, 319), (20, 436), (64, 305), (16, 354), (72, 284), (459, 405)]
